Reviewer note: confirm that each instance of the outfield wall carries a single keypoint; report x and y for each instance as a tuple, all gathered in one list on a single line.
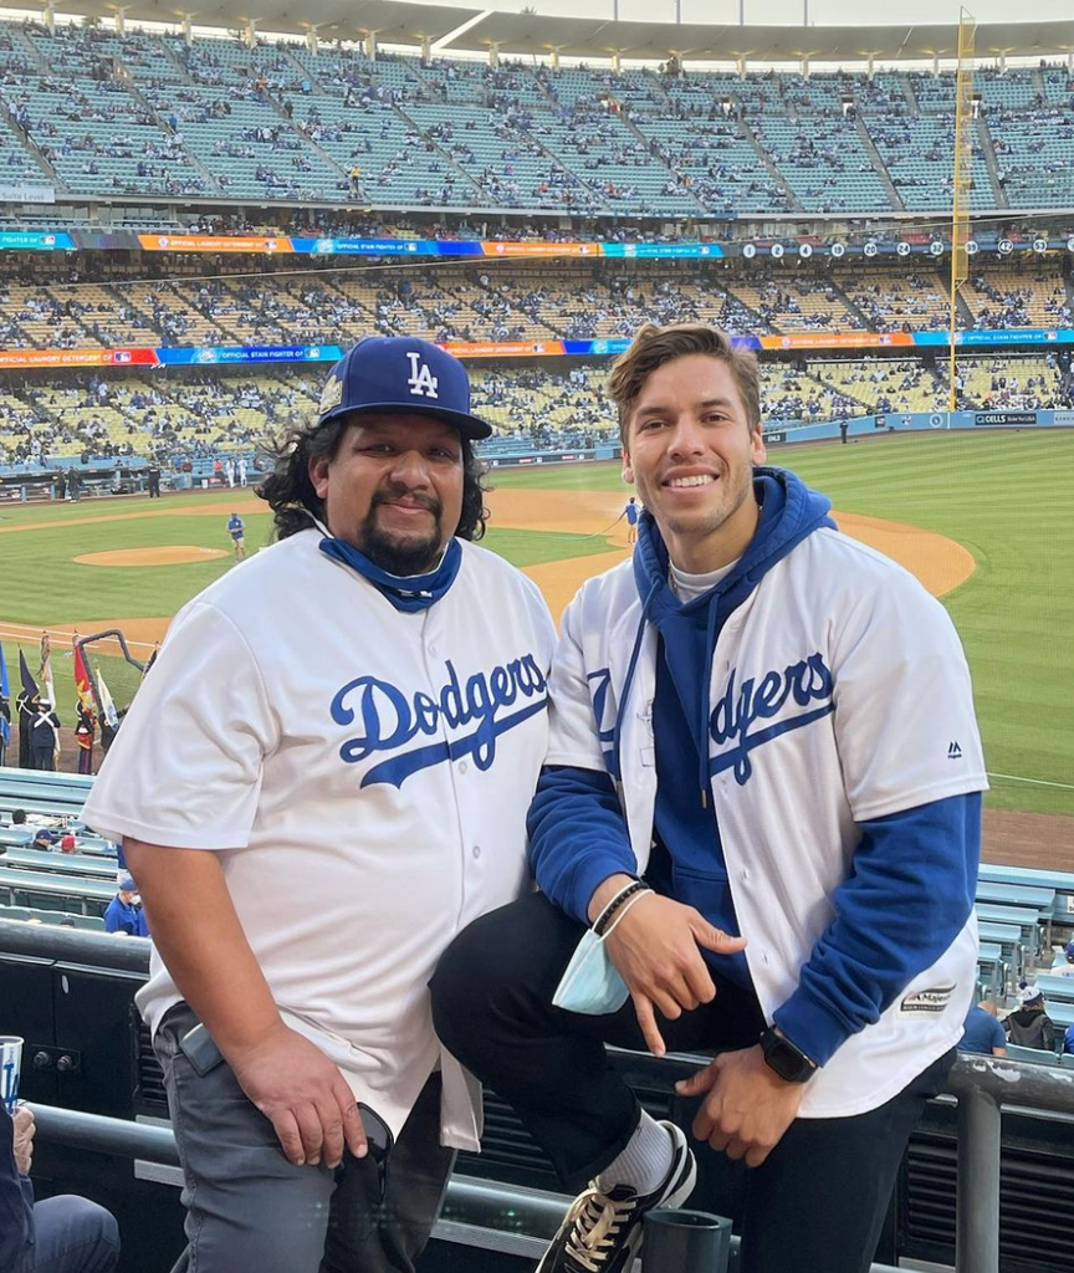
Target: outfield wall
[(922, 421)]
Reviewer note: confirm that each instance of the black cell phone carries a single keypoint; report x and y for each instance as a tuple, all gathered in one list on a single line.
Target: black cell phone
[(200, 1050), (377, 1133)]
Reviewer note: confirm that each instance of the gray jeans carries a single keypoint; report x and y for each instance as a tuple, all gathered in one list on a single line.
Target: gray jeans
[(248, 1208)]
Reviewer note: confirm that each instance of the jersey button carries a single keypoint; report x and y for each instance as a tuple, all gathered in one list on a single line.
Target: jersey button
[(476, 850), (432, 650), (463, 766)]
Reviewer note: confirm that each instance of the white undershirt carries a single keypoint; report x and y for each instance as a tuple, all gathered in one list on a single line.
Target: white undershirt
[(690, 587)]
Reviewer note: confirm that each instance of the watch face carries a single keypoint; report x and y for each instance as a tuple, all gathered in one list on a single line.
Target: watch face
[(783, 1057)]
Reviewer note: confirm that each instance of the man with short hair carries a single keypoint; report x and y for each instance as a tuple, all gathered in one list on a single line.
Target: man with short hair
[(982, 1032), (20, 825), (763, 793), (309, 835)]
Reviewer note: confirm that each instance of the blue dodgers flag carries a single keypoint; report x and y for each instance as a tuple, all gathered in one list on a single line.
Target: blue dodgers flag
[(5, 692)]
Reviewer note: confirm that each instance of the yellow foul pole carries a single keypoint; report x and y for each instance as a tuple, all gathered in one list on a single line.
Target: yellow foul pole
[(963, 180)]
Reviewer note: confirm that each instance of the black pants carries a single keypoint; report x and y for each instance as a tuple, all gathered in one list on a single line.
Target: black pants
[(44, 758), (816, 1205)]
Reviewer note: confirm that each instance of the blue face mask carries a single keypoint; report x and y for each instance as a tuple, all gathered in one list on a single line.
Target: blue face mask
[(591, 984)]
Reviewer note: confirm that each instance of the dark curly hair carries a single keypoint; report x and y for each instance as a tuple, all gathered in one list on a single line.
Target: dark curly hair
[(289, 492)]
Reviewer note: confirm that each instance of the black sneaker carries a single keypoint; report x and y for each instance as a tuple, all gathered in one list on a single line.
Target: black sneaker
[(601, 1232)]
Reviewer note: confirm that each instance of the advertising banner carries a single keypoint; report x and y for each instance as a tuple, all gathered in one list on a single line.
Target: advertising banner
[(37, 241), (143, 357), (214, 243)]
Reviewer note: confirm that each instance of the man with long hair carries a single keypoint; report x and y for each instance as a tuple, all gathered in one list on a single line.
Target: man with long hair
[(325, 777)]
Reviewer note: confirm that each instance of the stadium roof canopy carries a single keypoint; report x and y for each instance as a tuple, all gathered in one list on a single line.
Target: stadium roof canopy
[(401, 23)]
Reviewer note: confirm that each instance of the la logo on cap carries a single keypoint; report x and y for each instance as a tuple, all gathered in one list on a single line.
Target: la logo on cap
[(422, 381), (331, 394)]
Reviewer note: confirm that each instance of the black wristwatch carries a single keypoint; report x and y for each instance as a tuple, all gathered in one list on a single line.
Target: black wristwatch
[(789, 1062)]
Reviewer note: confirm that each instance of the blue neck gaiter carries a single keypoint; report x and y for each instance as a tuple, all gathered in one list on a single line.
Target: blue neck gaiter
[(409, 593)]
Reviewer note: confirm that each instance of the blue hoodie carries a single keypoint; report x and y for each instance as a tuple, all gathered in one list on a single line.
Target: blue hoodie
[(578, 837)]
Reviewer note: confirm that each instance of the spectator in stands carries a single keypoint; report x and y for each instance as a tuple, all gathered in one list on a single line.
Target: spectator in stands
[(45, 735), (983, 1033), (45, 839), (275, 808), (667, 820), (1068, 1040), (1030, 1026), (1064, 961), (18, 824), (125, 913), (60, 1235)]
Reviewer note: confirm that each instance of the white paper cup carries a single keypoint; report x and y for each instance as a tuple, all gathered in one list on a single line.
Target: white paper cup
[(10, 1069)]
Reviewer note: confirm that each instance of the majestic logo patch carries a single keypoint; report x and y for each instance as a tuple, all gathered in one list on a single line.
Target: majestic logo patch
[(422, 382), (388, 719), (954, 751), (808, 681), (331, 394), (928, 1000)]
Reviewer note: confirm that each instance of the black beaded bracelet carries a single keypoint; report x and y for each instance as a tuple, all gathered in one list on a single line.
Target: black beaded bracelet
[(639, 886)]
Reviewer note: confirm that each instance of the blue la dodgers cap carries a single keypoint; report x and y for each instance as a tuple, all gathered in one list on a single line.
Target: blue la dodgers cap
[(401, 373)]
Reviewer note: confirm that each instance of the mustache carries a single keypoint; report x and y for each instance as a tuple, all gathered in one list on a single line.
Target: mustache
[(428, 502)]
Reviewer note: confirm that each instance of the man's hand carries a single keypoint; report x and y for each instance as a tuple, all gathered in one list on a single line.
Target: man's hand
[(655, 947), (24, 1139), (303, 1094), (748, 1106)]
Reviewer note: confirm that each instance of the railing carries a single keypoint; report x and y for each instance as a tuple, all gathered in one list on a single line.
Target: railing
[(520, 1221)]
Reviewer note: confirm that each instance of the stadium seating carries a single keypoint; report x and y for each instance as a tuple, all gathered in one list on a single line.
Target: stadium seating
[(103, 113)]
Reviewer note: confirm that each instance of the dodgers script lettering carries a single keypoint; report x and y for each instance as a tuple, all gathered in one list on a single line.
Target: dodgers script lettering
[(805, 682), (388, 719)]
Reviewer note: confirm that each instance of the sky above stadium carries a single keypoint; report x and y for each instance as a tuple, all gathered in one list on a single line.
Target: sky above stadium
[(790, 12)]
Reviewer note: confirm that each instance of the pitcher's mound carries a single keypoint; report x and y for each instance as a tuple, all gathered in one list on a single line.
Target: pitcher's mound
[(169, 555)]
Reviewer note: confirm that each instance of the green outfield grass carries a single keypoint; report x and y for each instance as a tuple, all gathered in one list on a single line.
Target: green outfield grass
[(1006, 497)]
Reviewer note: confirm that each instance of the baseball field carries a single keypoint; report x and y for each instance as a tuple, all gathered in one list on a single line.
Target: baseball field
[(986, 521)]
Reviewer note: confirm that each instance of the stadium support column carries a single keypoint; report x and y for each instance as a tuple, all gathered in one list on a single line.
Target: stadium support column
[(187, 29), (371, 45), (554, 57), (121, 19), (311, 40), (249, 33), (494, 56), (961, 184), (49, 16)]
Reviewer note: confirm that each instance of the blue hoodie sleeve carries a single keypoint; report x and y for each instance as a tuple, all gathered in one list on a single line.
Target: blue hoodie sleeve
[(16, 1201), (577, 836), (909, 895)]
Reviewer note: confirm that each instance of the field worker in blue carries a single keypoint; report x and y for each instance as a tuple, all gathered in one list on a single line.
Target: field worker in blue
[(631, 515), (325, 778), (756, 834), (236, 528)]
